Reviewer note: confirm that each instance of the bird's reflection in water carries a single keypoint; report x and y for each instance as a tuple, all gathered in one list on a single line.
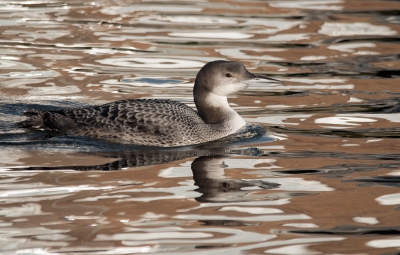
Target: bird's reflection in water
[(208, 167), (208, 170), (209, 176)]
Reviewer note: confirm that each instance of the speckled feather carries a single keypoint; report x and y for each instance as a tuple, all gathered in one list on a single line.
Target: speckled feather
[(154, 122)]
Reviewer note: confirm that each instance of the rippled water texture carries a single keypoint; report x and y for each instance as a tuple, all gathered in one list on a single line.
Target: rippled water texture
[(325, 180)]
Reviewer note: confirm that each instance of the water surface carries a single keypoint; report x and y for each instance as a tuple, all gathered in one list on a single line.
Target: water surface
[(324, 180)]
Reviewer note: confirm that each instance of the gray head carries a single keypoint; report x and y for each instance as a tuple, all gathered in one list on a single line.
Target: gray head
[(214, 82), (224, 77)]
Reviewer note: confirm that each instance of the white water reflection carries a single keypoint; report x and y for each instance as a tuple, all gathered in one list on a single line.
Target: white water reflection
[(7, 22), (30, 74), (251, 210), (124, 11), (250, 163), (48, 34), (28, 209), (298, 249), (301, 225), (8, 64), (232, 236), (276, 202), (324, 80), (353, 120), (263, 218), (366, 220), (14, 238), (149, 82), (343, 120), (183, 170), (309, 4), (184, 191), (183, 19), (240, 53), (159, 63), (213, 35), (281, 119), (384, 243), (298, 184), (355, 28), (287, 37), (391, 199), (312, 58), (41, 192), (161, 236), (56, 57), (350, 47), (392, 117)]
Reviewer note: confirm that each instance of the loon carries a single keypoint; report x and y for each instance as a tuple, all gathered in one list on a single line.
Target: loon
[(159, 122)]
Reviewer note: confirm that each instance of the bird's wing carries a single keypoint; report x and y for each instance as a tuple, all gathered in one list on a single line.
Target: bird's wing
[(150, 116)]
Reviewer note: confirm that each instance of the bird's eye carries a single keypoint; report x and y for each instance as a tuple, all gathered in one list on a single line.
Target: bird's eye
[(228, 75)]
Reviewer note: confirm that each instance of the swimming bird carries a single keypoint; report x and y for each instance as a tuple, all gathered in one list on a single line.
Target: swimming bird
[(159, 122)]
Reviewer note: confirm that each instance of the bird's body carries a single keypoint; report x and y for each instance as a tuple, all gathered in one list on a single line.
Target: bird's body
[(158, 122), (151, 122)]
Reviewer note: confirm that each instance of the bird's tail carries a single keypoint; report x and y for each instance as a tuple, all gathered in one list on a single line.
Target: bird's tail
[(54, 120), (35, 119)]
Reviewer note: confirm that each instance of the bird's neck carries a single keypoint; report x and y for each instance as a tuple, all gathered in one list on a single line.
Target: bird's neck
[(215, 109)]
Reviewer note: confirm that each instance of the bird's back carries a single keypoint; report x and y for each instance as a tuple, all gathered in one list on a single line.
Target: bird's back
[(150, 122)]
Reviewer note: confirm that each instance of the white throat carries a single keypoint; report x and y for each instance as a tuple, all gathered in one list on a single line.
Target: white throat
[(231, 119)]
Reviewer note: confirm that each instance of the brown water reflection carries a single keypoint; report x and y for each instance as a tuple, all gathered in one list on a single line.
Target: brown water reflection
[(326, 184)]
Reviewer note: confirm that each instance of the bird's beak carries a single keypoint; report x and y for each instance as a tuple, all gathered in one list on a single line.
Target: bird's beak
[(260, 79), (264, 79)]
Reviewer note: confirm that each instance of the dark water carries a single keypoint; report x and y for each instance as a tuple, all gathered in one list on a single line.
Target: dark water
[(324, 180)]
